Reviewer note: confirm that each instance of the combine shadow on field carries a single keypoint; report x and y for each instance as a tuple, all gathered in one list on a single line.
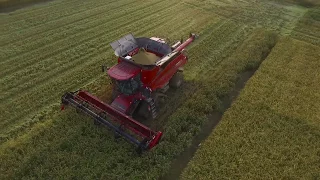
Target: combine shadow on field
[(169, 104), (13, 5), (214, 118)]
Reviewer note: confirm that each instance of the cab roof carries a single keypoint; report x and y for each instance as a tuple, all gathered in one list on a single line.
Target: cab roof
[(124, 70)]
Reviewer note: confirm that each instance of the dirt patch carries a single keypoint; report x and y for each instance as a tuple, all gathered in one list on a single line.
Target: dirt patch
[(13, 5), (181, 162)]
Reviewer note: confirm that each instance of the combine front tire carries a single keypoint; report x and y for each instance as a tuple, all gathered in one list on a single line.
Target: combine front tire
[(176, 80)]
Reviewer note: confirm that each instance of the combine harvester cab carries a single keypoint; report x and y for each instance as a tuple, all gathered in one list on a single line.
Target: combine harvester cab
[(146, 68)]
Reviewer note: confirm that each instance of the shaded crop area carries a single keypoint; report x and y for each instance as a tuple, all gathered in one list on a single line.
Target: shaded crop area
[(272, 129), (50, 49)]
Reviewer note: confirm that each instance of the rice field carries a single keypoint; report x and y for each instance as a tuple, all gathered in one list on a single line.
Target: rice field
[(59, 46), (272, 130)]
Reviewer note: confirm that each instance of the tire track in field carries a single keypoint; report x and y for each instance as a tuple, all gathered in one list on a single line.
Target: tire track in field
[(24, 84), (30, 33), (89, 63), (18, 65)]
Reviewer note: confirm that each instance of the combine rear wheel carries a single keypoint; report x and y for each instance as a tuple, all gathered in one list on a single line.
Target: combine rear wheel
[(176, 80), (143, 110)]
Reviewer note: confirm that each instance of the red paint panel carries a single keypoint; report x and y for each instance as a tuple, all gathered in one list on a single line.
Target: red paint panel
[(122, 103), (147, 76), (168, 72), (116, 115), (123, 71)]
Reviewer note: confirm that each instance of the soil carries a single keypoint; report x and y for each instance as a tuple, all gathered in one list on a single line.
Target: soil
[(181, 162)]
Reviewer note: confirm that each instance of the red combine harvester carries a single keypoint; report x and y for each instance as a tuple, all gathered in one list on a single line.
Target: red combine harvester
[(146, 68)]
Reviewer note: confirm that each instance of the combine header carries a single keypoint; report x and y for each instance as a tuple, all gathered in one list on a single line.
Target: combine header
[(146, 68)]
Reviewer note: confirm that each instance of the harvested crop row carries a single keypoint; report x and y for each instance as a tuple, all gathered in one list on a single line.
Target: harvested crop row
[(51, 64), (82, 23), (63, 23), (77, 38), (86, 71), (36, 16), (273, 126)]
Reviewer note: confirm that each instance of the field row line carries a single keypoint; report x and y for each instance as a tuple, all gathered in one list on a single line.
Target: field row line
[(61, 49), (76, 8), (313, 34), (212, 59), (25, 11), (84, 66), (306, 38), (25, 82), (55, 24), (163, 28), (58, 35), (12, 24), (81, 41), (56, 69), (26, 74)]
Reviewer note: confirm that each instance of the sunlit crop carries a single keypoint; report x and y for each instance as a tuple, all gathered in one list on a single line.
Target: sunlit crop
[(273, 128)]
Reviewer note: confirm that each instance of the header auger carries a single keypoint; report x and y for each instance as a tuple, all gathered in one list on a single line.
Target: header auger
[(146, 69)]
